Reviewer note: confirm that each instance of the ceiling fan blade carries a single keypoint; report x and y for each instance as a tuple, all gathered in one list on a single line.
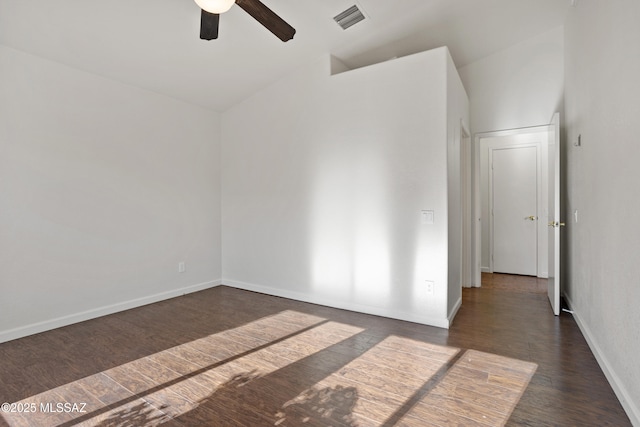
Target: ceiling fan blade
[(268, 18), (209, 25)]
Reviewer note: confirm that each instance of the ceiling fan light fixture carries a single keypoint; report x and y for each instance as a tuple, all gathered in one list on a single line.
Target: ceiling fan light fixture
[(215, 6)]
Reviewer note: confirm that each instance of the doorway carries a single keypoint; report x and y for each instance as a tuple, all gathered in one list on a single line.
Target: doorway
[(513, 201)]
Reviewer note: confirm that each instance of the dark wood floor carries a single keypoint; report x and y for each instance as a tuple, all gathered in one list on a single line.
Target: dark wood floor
[(229, 357)]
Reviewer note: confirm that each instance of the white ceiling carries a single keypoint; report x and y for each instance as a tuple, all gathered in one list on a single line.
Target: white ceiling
[(154, 44)]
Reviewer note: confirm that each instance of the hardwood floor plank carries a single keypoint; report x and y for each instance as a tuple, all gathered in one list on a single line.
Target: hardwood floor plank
[(193, 355), (462, 382), (461, 407), (372, 404), (15, 420), (135, 413), (419, 348), (105, 389), (131, 379), (174, 362), (427, 415)]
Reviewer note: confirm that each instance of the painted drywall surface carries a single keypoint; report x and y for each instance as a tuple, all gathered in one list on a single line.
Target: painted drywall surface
[(324, 178), (602, 93), (518, 87), (521, 86), (457, 117), (104, 188)]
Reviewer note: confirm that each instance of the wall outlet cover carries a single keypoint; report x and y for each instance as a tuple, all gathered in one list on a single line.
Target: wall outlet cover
[(429, 285)]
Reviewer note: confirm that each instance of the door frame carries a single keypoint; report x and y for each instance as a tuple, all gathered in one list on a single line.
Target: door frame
[(554, 283), (481, 214), (468, 259)]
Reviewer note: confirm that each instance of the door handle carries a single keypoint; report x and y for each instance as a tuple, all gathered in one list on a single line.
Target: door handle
[(531, 218), (556, 224)]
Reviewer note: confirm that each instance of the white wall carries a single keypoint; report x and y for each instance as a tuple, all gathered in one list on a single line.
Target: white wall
[(521, 86), (602, 93), (104, 188), (324, 178), (518, 87), (457, 118)]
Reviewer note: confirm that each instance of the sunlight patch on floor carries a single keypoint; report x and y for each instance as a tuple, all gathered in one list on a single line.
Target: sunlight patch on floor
[(480, 389), (377, 384), (149, 391)]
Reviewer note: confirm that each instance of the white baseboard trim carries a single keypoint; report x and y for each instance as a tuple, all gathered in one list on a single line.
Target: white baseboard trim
[(485, 270), (314, 299), (629, 405), (59, 322), (453, 313)]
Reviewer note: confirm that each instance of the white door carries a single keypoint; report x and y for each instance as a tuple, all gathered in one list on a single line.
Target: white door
[(514, 182), (553, 285)]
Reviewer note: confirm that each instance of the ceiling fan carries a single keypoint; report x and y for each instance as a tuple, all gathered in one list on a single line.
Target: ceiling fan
[(211, 10)]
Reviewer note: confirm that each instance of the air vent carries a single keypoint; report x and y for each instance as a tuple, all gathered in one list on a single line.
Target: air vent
[(349, 17)]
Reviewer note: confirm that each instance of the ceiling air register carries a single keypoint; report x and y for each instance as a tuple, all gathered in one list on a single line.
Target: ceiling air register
[(349, 17)]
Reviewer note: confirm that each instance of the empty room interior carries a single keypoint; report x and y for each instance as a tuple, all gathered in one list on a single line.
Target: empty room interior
[(319, 212)]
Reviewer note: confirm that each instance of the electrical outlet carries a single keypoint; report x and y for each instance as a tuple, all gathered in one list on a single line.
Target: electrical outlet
[(182, 267), (429, 287)]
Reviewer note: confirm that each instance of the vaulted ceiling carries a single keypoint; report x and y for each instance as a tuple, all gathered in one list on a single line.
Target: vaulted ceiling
[(154, 44)]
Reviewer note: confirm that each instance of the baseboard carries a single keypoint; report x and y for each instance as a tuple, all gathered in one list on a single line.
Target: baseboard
[(629, 405), (314, 299), (485, 270), (454, 312), (59, 322)]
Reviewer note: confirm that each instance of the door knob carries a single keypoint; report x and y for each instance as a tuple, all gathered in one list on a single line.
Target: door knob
[(531, 217), (556, 224)]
